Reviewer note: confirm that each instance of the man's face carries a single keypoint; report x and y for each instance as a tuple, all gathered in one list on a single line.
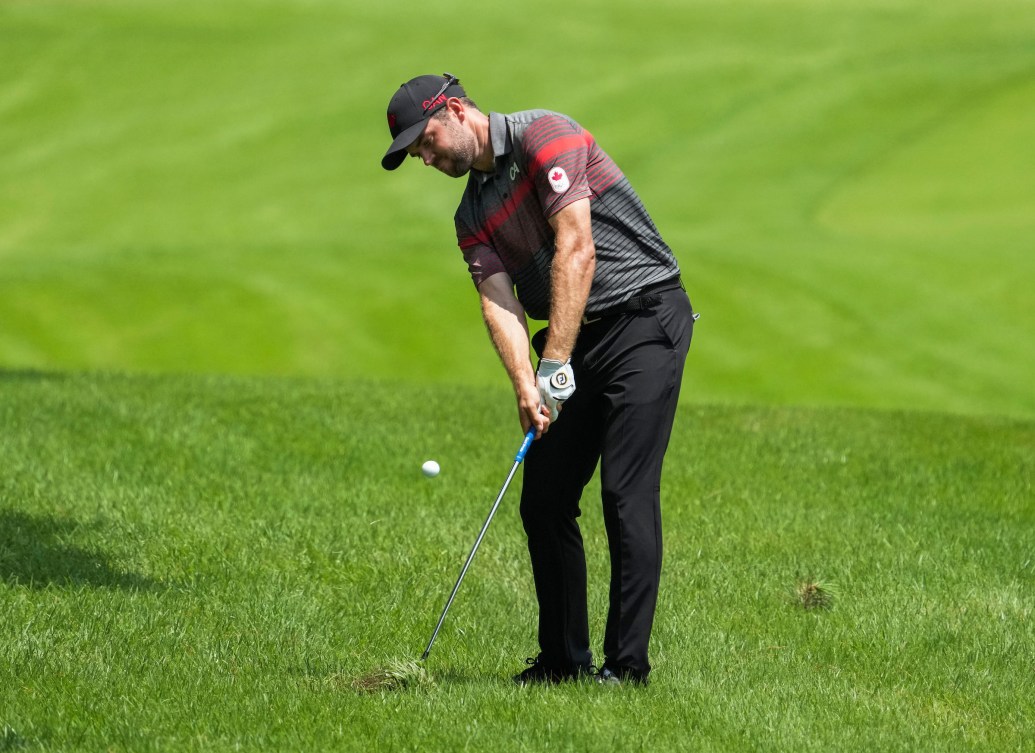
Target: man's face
[(446, 145)]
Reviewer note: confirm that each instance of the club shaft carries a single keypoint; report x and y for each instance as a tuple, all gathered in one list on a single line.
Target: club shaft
[(478, 541)]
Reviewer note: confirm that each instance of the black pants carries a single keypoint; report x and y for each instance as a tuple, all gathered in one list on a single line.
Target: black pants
[(628, 370)]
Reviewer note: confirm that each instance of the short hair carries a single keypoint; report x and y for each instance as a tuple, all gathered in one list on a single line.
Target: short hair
[(441, 113)]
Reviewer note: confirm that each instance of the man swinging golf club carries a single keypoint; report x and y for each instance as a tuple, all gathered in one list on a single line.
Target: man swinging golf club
[(551, 228)]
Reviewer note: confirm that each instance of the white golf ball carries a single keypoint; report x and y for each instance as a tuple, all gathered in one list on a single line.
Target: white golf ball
[(430, 468)]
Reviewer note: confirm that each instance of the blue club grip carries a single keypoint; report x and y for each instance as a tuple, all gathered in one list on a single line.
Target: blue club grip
[(525, 445)]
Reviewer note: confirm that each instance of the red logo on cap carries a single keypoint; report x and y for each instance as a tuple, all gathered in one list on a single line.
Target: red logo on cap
[(391, 120), (427, 104), (557, 175)]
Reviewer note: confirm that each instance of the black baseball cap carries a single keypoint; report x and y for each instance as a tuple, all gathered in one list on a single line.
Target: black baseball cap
[(411, 108)]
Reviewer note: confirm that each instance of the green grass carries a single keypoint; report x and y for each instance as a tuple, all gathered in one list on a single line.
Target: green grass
[(214, 563), (192, 562), (195, 187)]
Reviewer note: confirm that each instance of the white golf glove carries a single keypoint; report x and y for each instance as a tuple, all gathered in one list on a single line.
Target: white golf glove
[(556, 383)]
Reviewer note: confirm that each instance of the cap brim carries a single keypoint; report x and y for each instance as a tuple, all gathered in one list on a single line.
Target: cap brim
[(396, 153)]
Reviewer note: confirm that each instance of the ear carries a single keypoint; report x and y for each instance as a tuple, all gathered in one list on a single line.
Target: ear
[(455, 106)]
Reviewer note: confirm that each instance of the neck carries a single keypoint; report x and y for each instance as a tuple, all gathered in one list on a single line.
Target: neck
[(486, 159)]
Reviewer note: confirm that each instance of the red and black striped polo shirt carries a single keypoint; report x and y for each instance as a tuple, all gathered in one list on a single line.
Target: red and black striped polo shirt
[(545, 161)]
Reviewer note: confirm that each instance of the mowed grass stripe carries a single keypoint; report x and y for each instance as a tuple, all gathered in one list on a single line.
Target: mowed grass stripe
[(196, 189)]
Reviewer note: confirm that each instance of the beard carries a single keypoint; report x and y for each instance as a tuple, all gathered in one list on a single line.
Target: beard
[(460, 158)]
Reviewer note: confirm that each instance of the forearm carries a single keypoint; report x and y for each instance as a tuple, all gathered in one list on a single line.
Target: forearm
[(509, 334), (505, 319), (574, 262)]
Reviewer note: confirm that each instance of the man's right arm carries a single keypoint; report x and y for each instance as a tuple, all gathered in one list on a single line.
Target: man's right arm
[(505, 319)]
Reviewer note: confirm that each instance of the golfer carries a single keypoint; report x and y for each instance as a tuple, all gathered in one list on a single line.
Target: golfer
[(551, 230)]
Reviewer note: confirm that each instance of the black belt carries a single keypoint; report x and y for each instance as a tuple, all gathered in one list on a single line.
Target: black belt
[(647, 298)]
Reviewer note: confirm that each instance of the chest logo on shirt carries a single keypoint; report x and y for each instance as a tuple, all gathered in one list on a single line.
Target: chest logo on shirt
[(558, 179), (514, 172)]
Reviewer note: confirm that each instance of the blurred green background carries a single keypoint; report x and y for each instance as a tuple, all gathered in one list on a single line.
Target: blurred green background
[(849, 187)]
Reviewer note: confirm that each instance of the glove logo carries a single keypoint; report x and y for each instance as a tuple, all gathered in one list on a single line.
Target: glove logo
[(558, 180), (559, 380)]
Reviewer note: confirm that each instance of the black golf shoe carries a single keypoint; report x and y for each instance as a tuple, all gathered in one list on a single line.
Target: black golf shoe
[(608, 676), (538, 673)]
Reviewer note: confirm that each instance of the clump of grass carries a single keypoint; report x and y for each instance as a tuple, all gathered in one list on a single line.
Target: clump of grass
[(814, 593), (398, 675)]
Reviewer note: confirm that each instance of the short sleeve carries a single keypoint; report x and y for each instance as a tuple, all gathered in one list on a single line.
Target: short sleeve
[(557, 151), (482, 260)]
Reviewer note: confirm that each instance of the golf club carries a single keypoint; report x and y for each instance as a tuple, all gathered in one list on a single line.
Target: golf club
[(517, 461)]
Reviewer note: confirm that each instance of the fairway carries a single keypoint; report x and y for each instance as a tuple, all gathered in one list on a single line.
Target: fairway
[(212, 564), (229, 340)]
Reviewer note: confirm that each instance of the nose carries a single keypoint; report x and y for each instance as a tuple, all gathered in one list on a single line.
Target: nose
[(427, 157)]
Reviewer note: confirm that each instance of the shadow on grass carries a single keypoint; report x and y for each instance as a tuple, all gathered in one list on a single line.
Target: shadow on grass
[(29, 375), (34, 552), (11, 740)]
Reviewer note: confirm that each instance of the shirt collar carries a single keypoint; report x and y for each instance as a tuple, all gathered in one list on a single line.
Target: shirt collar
[(502, 145), (499, 135)]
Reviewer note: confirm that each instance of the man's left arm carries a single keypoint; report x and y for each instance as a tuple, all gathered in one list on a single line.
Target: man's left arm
[(574, 262)]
